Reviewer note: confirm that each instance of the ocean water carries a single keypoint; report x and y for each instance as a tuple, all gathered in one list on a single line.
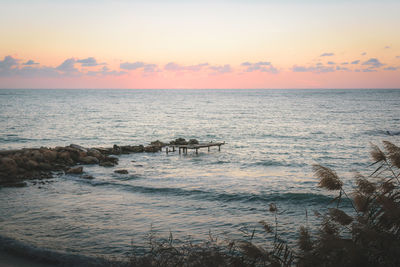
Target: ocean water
[(272, 139)]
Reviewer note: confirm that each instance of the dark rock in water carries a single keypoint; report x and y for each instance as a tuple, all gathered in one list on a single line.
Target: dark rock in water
[(87, 176), (151, 149), (121, 171), (37, 156), (193, 142), (32, 165), (138, 149), (132, 149), (95, 153), (49, 155), (116, 150), (157, 143), (8, 165), (45, 166), (111, 159), (78, 147), (89, 160), (179, 141), (75, 170), (107, 164), (65, 157)]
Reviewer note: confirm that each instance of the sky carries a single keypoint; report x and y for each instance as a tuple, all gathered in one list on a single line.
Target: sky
[(199, 44)]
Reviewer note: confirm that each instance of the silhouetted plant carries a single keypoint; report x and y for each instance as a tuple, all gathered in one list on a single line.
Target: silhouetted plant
[(369, 235)]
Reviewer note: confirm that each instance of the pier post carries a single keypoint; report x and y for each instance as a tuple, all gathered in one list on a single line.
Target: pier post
[(197, 151), (208, 149), (166, 150), (179, 150), (219, 148)]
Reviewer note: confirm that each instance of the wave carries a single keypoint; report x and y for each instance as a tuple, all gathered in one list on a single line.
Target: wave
[(276, 163), (298, 198), (382, 132), (47, 256)]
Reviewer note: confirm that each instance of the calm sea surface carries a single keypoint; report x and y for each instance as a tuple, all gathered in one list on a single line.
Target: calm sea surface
[(273, 137)]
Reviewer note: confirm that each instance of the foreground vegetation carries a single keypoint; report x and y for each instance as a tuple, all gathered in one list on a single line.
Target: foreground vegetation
[(368, 236)]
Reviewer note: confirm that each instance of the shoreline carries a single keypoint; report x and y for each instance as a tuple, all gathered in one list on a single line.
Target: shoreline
[(8, 259)]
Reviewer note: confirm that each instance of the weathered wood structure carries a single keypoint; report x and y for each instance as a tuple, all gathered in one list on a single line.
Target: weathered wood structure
[(184, 148)]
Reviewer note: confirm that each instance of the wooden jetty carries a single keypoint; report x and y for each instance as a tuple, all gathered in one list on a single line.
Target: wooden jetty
[(184, 148)]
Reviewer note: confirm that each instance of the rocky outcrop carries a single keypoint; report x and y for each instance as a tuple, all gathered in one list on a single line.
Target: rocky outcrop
[(193, 142), (121, 171), (75, 170), (179, 141), (37, 163)]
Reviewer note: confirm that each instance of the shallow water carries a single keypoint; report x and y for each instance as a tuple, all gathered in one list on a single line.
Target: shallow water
[(273, 137)]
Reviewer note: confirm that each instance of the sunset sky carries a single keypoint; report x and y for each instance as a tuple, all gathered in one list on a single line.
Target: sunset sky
[(200, 44)]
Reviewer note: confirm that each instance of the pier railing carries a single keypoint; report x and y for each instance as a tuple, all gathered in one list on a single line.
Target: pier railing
[(184, 148)]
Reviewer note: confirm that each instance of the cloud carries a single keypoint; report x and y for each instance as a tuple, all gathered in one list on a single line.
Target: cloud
[(331, 63), (373, 63), (138, 65), (30, 63), (390, 68), (149, 68), (263, 66), (68, 66), (221, 69), (355, 62), (8, 62), (106, 71), (10, 66), (369, 70), (387, 47), (88, 62), (131, 66), (363, 53), (318, 68), (342, 68), (345, 63), (172, 66), (397, 56), (327, 55)]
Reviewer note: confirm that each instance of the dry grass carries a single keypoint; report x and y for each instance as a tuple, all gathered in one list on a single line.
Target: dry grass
[(370, 236)]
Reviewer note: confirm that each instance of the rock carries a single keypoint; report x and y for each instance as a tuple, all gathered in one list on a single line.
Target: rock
[(130, 149), (78, 147), (74, 153), (107, 164), (116, 150), (193, 142), (138, 149), (64, 156), (8, 165), (121, 171), (151, 149), (89, 160), (95, 153), (32, 165), (157, 143), (111, 159), (179, 141), (75, 170), (37, 156), (87, 176), (49, 155), (45, 166)]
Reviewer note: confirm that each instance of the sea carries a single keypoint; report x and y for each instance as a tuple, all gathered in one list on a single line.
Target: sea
[(272, 139)]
